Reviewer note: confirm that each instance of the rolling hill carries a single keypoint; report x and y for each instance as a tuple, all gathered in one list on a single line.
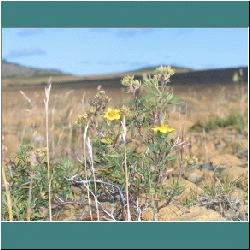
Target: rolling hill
[(15, 70), (14, 74)]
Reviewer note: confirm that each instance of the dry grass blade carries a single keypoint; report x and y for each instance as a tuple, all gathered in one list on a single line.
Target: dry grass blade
[(123, 123), (25, 96), (46, 102), (93, 172), (6, 185), (85, 165)]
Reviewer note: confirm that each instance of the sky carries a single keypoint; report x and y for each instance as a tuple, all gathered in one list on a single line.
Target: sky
[(86, 51)]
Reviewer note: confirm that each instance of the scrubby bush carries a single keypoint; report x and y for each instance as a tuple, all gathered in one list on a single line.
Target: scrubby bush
[(132, 144), (236, 121)]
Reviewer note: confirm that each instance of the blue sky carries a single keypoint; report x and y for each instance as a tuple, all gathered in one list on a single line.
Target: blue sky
[(86, 51)]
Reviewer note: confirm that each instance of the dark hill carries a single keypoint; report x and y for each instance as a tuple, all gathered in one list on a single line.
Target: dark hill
[(215, 76), (209, 76)]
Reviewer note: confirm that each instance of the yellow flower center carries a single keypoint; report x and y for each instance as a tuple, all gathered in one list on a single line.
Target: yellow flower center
[(164, 129), (112, 114)]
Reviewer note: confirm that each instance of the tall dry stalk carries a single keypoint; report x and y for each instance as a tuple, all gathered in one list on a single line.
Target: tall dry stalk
[(85, 165), (93, 172), (6, 185), (123, 123), (46, 102)]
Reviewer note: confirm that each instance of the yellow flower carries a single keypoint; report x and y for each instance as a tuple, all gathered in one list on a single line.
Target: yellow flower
[(164, 129), (112, 114), (107, 141), (43, 196)]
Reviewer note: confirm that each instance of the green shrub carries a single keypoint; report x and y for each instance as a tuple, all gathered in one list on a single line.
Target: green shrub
[(134, 140), (29, 185), (233, 120)]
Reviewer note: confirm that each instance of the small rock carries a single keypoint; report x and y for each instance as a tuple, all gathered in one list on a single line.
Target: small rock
[(226, 160), (177, 213), (236, 172), (239, 194), (208, 177), (190, 189), (208, 166), (195, 177), (171, 213), (148, 214), (219, 170), (201, 214), (218, 146)]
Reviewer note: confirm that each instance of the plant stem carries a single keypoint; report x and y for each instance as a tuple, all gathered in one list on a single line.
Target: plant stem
[(85, 165), (6, 185), (46, 101), (93, 171), (126, 169)]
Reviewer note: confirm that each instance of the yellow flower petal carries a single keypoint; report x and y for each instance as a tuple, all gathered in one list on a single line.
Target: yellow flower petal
[(164, 129), (155, 129), (112, 114)]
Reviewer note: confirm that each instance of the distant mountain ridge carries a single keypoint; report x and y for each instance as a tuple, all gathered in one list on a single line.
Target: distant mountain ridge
[(16, 70), (12, 70), (14, 74)]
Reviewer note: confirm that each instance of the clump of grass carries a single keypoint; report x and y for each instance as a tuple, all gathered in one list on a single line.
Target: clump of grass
[(218, 196), (28, 185), (233, 120)]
